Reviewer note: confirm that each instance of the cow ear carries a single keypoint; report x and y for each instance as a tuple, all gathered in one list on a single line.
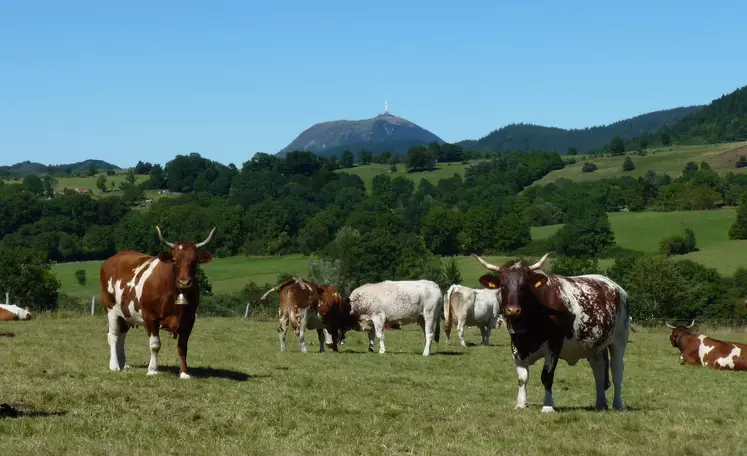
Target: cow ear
[(544, 293), (166, 256), (203, 256), (490, 281)]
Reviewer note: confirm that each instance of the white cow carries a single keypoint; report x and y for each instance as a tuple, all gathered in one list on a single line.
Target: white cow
[(471, 307), (397, 303)]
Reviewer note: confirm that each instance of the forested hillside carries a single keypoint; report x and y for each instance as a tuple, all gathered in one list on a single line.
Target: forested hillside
[(27, 167), (524, 137), (723, 120)]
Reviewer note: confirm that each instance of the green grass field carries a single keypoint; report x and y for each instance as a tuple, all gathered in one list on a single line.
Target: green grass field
[(643, 231), (670, 160), (442, 171), (246, 397)]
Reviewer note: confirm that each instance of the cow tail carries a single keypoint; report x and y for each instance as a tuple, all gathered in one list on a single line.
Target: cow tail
[(279, 287), (447, 308)]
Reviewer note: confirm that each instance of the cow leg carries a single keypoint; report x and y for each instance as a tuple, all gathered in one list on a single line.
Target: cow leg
[(548, 375), (599, 366), (488, 329), (371, 339), (378, 323), (282, 329), (185, 330), (332, 339), (154, 341), (322, 339), (116, 339), (429, 328), (617, 352), (460, 328), (302, 332), (522, 374)]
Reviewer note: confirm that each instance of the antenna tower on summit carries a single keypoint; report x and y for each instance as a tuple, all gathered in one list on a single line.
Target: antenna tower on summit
[(386, 106)]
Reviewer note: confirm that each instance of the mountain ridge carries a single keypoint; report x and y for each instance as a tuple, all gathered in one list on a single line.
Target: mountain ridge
[(331, 137)]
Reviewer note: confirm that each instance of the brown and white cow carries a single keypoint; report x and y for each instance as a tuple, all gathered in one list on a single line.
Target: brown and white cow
[(10, 312), (156, 292), (306, 305), (699, 349), (555, 317)]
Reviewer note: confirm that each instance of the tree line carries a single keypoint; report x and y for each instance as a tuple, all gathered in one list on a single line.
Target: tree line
[(396, 229)]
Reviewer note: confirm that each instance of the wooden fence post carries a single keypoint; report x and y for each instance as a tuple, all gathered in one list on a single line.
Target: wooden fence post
[(93, 305), (7, 298), (246, 312)]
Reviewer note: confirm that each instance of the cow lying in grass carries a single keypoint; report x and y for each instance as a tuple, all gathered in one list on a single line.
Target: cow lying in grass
[(699, 349), (10, 312)]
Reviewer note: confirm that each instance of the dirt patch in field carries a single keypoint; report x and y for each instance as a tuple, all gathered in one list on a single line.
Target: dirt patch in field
[(727, 160)]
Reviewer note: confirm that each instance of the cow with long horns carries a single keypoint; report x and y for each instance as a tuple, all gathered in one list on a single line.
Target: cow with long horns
[(555, 317), (156, 292), (701, 350)]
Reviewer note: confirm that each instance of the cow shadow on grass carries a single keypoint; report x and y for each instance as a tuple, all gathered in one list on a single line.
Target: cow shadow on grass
[(211, 372), (433, 353), (591, 408), (24, 411), (8, 335)]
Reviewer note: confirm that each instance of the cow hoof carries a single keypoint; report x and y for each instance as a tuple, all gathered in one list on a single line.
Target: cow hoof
[(547, 409), (425, 354), (152, 372), (184, 376), (114, 368), (520, 406), (619, 407), (602, 406)]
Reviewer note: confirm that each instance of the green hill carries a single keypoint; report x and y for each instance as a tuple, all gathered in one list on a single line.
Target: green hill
[(669, 160), (28, 167), (723, 120), (525, 137), (643, 231)]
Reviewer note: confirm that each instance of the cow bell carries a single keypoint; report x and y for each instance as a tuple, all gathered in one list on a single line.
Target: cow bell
[(181, 300)]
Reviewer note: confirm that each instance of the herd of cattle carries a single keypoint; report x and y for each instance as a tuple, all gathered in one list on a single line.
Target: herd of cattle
[(547, 315)]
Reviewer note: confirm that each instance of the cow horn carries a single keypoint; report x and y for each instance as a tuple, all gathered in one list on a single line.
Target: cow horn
[(160, 236), (207, 241), (539, 264), (691, 324), (668, 325), (486, 264)]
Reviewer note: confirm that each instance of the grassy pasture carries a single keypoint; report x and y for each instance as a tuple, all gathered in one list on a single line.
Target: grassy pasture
[(643, 231), (668, 160), (248, 398)]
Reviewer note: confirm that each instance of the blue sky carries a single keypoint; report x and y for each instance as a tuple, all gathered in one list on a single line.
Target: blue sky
[(146, 80)]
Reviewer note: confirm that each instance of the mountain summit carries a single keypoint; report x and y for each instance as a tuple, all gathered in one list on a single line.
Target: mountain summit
[(383, 132)]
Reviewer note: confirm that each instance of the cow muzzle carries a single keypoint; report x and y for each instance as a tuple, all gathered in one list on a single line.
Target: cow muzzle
[(512, 311), (184, 283)]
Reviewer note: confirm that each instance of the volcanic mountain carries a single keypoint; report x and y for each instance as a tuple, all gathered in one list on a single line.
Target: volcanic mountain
[(383, 132)]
